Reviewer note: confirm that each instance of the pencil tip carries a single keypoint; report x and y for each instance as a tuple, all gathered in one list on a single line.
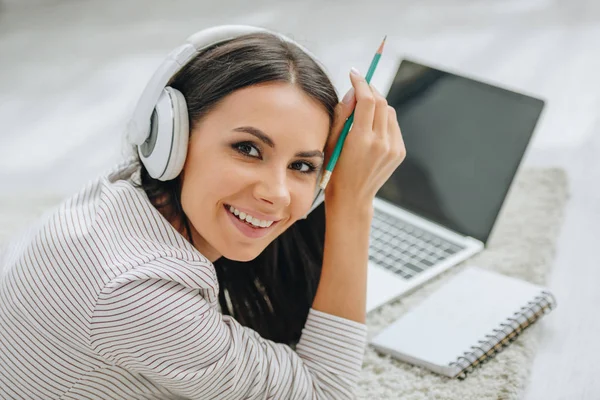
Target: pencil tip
[(380, 49)]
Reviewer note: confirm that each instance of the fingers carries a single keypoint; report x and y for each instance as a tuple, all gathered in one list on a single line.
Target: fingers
[(365, 102), (374, 147), (380, 120), (397, 148), (339, 121), (342, 111), (373, 118)]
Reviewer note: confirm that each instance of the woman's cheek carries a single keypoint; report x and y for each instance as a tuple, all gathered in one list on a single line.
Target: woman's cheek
[(230, 179), (302, 199)]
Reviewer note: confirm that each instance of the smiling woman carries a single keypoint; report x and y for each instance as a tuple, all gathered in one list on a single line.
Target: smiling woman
[(187, 271), (257, 133), (250, 152)]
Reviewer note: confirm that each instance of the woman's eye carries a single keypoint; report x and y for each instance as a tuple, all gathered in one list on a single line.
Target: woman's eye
[(304, 167), (247, 149)]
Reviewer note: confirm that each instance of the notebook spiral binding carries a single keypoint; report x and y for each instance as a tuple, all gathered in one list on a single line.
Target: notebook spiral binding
[(504, 335)]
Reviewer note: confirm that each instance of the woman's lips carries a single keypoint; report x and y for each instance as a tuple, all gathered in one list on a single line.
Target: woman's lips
[(246, 229)]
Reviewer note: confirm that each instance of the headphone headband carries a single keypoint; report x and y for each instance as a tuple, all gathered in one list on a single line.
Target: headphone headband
[(138, 127)]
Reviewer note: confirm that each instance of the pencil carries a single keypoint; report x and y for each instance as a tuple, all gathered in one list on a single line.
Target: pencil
[(340, 142)]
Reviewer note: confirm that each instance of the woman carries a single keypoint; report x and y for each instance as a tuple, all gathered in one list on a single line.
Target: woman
[(210, 285)]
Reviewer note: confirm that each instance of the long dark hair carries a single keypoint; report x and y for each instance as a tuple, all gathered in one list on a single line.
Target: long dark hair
[(272, 293)]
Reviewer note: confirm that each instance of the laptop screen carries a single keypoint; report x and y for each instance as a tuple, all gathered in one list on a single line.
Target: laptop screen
[(464, 141)]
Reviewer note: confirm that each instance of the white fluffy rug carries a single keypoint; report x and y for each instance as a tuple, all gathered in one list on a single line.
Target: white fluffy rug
[(522, 245)]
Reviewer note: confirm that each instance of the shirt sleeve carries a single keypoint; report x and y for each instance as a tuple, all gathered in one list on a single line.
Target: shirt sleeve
[(155, 323)]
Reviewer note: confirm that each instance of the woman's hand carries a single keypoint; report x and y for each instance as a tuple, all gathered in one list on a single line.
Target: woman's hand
[(372, 150)]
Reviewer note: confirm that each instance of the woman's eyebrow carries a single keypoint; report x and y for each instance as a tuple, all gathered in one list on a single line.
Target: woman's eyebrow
[(309, 154), (263, 137)]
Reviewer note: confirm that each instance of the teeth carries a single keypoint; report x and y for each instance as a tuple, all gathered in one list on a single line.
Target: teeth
[(250, 219)]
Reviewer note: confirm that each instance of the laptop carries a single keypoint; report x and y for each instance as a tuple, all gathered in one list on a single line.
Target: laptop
[(465, 140)]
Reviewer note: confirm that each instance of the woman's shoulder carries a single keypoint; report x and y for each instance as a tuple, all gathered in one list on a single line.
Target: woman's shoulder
[(123, 214), (125, 209), (110, 219), (103, 199), (73, 216)]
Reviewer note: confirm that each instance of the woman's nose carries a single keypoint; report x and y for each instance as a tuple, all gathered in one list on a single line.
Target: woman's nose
[(273, 188)]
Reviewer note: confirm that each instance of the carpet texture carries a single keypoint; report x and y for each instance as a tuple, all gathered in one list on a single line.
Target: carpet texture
[(522, 245)]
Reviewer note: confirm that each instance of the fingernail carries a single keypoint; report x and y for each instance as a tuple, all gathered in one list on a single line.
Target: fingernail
[(348, 97), (355, 71)]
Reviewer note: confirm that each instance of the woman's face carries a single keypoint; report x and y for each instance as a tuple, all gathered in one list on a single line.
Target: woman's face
[(257, 153)]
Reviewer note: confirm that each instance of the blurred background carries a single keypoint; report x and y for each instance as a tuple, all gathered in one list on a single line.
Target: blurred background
[(71, 71)]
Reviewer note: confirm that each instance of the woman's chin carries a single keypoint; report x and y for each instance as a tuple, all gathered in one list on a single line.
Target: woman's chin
[(242, 256)]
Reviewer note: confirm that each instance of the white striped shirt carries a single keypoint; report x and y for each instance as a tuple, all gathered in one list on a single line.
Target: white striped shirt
[(104, 299)]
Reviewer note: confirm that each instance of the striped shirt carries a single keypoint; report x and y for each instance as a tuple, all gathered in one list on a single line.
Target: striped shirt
[(104, 299)]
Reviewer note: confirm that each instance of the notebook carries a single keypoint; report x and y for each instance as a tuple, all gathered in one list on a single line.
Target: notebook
[(465, 322)]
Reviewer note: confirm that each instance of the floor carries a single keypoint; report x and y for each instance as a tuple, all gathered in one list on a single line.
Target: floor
[(71, 71)]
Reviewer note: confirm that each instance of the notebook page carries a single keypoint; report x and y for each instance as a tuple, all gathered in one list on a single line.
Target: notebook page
[(456, 316)]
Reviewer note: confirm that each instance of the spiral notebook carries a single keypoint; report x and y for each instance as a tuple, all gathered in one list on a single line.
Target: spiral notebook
[(465, 322)]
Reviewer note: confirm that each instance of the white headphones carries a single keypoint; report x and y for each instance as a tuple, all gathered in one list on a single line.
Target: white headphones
[(159, 125)]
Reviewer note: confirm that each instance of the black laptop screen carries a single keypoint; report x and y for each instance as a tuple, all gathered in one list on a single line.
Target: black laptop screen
[(464, 140)]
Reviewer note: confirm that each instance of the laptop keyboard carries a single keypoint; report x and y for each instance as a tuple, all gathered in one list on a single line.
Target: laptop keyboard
[(404, 248)]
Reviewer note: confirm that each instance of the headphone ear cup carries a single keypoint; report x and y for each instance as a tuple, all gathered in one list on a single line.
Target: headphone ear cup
[(165, 149), (181, 134)]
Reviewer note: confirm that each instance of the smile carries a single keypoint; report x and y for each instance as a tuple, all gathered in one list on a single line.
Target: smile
[(255, 222), (248, 225)]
